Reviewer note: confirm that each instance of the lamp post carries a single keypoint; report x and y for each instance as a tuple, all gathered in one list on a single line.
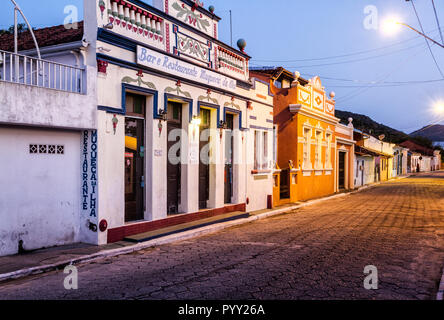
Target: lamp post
[(390, 26), (420, 33)]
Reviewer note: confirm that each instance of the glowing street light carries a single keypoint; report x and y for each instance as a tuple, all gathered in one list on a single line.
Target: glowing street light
[(439, 107), (392, 25)]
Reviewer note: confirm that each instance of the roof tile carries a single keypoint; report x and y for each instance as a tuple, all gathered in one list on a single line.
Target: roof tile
[(45, 37)]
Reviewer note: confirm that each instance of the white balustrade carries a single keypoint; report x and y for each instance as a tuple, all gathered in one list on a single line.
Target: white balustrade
[(20, 69)]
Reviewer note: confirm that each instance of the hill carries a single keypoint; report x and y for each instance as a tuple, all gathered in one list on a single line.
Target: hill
[(368, 125), (433, 132)]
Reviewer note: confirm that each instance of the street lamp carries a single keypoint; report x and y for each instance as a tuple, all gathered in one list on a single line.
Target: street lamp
[(439, 107), (391, 26)]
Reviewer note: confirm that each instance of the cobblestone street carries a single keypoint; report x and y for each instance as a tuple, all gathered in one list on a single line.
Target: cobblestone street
[(318, 252)]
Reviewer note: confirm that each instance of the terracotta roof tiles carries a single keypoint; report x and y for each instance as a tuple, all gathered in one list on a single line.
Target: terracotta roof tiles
[(45, 37)]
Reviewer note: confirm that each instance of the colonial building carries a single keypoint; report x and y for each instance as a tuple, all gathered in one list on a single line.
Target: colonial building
[(373, 158), (345, 154), (306, 158), (165, 119), (183, 133), (422, 159)]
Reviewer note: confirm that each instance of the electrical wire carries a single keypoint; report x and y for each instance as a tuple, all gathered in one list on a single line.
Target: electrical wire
[(379, 85), (355, 60), (428, 44), (381, 79), (344, 55), (373, 82), (437, 21), (347, 61)]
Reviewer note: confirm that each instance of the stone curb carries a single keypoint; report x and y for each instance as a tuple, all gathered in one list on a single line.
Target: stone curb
[(167, 239)]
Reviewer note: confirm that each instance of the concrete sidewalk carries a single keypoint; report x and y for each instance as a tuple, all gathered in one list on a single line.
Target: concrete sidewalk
[(45, 260)]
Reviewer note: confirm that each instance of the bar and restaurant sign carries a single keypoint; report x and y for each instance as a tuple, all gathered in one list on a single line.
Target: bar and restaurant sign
[(155, 60)]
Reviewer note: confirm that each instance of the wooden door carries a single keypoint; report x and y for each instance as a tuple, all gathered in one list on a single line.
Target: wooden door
[(229, 158), (134, 169), (341, 171), (173, 159), (204, 168)]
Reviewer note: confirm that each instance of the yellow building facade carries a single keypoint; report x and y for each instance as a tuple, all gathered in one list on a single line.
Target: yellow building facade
[(305, 124)]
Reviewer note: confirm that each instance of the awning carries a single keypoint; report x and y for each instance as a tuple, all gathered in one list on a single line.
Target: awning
[(363, 150)]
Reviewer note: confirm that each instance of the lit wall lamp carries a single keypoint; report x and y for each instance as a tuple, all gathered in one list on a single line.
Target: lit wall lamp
[(163, 116), (222, 126), (196, 121)]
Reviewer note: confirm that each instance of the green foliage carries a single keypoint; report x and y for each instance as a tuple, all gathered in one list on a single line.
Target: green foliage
[(21, 27), (367, 125)]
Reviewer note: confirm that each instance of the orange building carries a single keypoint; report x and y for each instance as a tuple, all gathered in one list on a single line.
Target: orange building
[(305, 137)]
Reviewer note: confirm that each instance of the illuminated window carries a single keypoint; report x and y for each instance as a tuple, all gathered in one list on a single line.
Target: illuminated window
[(306, 149), (318, 154), (265, 150), (328, 151)]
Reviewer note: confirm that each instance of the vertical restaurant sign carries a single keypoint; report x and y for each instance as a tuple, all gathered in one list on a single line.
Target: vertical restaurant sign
[(89, 175), (158, 61)]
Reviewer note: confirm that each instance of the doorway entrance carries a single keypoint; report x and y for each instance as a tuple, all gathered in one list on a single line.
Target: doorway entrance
[(135, 157), (174, 128), (229, 158), (341, 170), (204, 167)]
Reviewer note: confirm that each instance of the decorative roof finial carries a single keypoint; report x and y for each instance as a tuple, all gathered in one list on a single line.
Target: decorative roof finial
[(241, 43)]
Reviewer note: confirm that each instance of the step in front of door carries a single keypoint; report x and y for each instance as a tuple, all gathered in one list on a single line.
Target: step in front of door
[(147, 236)]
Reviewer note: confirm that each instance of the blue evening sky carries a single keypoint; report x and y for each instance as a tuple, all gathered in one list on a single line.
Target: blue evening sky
[(280, 32)]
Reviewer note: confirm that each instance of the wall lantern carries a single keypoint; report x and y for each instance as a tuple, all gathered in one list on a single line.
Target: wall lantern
[(196, 121), (222, 126), (163, 116)]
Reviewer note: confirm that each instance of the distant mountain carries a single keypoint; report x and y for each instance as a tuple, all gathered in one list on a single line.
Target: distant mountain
[(368, 125), (433, 132)]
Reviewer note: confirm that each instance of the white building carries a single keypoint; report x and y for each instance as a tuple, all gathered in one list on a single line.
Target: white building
[(437, 161), (45, 106), (183, 132), (167, 124)]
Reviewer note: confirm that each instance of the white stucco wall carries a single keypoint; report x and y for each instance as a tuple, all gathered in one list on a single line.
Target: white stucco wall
[(40, 193), (34, 106)]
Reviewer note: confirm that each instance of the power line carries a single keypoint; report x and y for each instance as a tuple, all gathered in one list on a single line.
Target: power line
[(344, 55), (437, 21), (357, 60), (365, 89), (428, 44), (374, 82), (347, 61), (382, 85)]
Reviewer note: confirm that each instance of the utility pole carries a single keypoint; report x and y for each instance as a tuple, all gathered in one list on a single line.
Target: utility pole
[(231, 28)]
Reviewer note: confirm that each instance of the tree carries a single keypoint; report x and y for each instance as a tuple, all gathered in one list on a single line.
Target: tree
[(21, 27)]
